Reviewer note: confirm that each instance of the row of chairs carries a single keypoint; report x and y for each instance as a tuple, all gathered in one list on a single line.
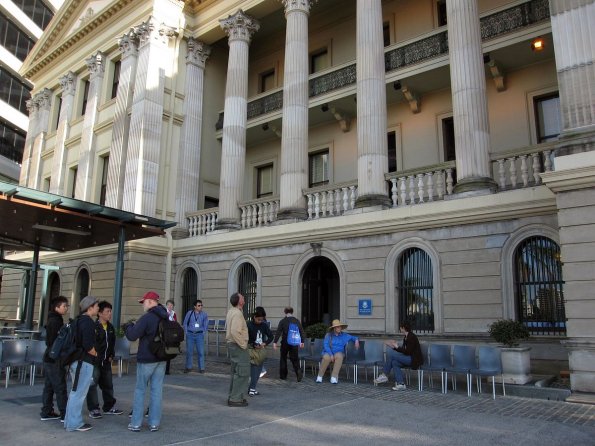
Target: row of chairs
[(478, 361), (21, 355), (215, 328)]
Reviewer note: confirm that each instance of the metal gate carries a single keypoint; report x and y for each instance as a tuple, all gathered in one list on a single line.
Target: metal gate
[(189, 287), (416, 289), (247, 286)]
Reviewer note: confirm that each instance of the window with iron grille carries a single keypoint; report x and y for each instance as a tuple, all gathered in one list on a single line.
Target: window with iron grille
[(416, 290), (318, 163), (538, 286), (247, 284), (189, 289)]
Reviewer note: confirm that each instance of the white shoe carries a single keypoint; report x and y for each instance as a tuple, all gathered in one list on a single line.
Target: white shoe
[(319, 379), (399, 387), (334, 380), (381, 379)]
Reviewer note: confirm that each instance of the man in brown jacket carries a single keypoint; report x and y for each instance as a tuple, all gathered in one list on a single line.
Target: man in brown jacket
[(406, 355), (236, 337)]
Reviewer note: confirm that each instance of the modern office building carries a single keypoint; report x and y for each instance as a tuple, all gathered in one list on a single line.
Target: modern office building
[(21, 25), (372, 161)]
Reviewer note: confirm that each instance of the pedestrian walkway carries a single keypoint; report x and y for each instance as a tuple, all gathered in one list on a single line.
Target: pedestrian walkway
[(288, 413)]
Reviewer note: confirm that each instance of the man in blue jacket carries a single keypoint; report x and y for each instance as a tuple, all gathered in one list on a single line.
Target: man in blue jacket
[(148, 367)]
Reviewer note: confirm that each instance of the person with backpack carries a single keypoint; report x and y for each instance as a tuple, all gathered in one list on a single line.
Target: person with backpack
[(195, 325), (81, 370), (292, 339), (149, 367), (54, 371), (105, 343), (259, 336), (333, 351)]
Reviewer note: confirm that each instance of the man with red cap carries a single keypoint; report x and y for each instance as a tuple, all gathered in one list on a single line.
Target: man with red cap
[(149, 369)]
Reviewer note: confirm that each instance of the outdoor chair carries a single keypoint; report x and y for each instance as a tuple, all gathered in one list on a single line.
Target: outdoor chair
[(463, 361), (374, 356), (35, 359), (304, 353), (211, 329), (219, 328), (14, 355), (353, 357), (316, 356), (122, 353), (489, 364), (439, 361)]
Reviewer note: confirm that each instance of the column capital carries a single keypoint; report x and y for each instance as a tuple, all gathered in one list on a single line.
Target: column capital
[(31, 106), (43, 99), (128, 43), (240, 26), (150, 30), (297, 5), (96, 65), (198, 52), (68, 83)]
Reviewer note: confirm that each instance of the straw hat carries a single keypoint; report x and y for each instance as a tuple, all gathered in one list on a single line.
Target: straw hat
[(337, 323)]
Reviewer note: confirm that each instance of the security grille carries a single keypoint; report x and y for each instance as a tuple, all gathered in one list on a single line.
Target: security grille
[(247, 287), (415, 290), (539, 291), (189, 287)]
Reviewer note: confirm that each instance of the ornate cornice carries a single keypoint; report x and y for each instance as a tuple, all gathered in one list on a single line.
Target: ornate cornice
[(240, 26), (68, 83), (198, 52), (96, 65)]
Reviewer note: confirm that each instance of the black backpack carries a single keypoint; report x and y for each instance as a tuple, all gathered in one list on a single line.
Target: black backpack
[(65, 348), (167, 342)]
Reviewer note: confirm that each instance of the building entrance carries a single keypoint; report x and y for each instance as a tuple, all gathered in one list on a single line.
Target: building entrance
[(320, 292)]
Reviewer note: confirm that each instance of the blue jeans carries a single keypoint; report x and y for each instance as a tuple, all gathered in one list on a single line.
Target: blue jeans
[(255, 374), (195, 340), (145, 372), (395, 360), (74, 416)]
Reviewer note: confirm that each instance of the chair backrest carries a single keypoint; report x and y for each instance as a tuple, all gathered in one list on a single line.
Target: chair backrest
[(317, 347), (440, 355), (15, 352), (211, 325), (122, 348), (307, 350), (463, 357), (374, 349), (36, 351), (488, 359), (424, 352), (353, 354), (220, 325)]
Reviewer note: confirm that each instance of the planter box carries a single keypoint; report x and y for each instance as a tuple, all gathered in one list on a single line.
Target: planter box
[(516, 365)]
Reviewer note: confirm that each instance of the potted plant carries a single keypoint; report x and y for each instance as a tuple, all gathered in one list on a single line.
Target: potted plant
[(516, 360), (316, 331)]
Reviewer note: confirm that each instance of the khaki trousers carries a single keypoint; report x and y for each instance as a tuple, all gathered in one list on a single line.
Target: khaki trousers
[(326, 360)]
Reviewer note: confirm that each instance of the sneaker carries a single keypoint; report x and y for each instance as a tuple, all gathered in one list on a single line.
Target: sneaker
[(84, 427), (242, 403), (264, 372), (133, 428), (319, 379), (51, 416), (153, 428), (130, 414), (201, 371), (187, 370), (113, 411), (334, 380), (96, 413), (299, 376), (382, 378), (399, 387), (253, 392)]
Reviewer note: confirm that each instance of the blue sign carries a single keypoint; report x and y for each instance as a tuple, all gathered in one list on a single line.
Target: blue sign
[(365, 307)]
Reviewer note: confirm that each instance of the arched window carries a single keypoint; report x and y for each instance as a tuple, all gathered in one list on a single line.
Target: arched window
[(416, 289), (82, 286), (538, 286), (189, 289), (53, 286), (247, 286)]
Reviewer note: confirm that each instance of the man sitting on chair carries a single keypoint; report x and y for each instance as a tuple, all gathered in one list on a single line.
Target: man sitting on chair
[(407, 355)]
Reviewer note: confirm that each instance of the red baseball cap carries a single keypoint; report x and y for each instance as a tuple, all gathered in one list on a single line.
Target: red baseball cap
[(149, 295)]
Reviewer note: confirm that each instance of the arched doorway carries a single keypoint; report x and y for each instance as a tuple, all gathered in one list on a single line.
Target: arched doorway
[(82, 287), (189, 289), (247, 287), (53, 286), (320, 292)]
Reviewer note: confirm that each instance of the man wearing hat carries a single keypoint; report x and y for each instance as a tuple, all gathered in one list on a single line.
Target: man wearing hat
[(81, 371), (333, 351), (148, 367)]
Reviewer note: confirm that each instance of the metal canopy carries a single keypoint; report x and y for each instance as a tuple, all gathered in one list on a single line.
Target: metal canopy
[(30, 218)]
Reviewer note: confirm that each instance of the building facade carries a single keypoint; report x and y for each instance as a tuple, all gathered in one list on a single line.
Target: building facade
[(373, 161)]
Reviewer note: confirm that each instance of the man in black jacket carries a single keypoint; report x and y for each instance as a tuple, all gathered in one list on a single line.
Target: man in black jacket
[(55, 374), (105, 343), (286, 348)]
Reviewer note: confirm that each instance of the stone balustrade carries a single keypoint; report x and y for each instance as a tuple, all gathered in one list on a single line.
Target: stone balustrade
[(523, 168), (259, 212), (421, 185), (332, 200), (202, 222)]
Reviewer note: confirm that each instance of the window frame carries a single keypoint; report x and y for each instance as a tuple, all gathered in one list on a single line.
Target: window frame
[(263, 76), (317, 151), (259, 169), (442, 149), (532, 112), (85, 87), (116, 72), (322, 50)]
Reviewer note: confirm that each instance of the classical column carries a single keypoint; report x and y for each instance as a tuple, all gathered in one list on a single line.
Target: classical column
[(294, 134), (84, 176), (575, 64), (31, 134), (469, 103), (372, 145), (190, 144), (240, 28), (68, 84), (116, 169), (43, 101), (146, 121)]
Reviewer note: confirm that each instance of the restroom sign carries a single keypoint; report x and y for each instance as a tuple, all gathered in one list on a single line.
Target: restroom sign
[(365, 307)]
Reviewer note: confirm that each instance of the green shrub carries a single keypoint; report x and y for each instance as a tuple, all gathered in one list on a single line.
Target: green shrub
[(508, 332), (316, 331)]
